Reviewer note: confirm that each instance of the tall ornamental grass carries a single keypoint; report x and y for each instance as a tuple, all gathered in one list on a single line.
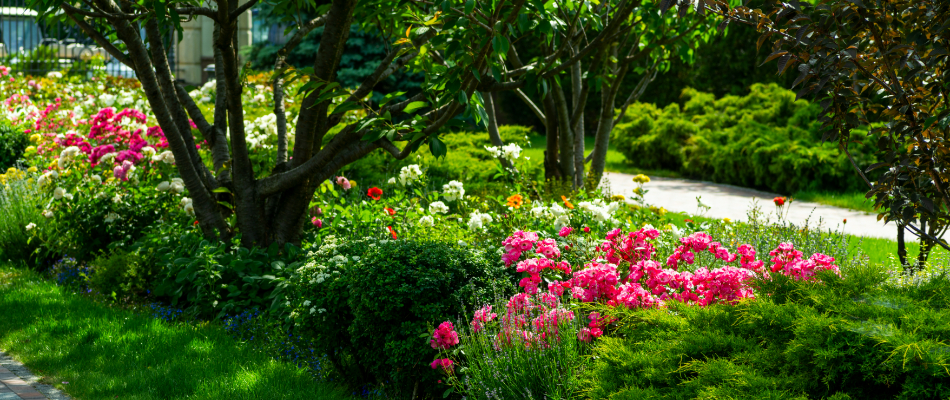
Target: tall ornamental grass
[(20, 212)]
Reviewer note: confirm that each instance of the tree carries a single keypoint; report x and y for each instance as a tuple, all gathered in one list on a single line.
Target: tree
[(882, 64), (594, 47), (456, 48)]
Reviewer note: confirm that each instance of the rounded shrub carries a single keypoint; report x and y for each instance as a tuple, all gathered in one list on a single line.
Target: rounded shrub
[(12, 144), (372, 306)]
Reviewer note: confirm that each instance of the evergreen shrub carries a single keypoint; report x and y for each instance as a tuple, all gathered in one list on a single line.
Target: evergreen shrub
[(765, 140)]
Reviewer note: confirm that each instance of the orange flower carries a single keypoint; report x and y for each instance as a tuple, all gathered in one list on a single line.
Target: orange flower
[(392, 232), (567, 203), (515, 201), (779, 201)]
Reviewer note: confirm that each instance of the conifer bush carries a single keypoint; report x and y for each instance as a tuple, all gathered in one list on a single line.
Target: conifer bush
[(765, 139)]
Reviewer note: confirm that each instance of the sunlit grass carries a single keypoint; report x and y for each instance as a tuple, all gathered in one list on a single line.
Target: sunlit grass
[(854, 200), (106, 352)]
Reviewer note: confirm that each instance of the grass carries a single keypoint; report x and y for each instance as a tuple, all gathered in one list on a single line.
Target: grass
[(854, 201), (616, 162), (107, 352)]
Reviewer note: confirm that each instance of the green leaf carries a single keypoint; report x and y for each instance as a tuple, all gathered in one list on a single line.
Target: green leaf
[(414, 106), (345, 106), (500, 45), (437, 147)]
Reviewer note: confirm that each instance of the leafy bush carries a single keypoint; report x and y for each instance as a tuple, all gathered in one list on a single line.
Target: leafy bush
[(209, 281), (12, 144), (765, 140), (90, 224), (850, 337), (122, 273), (467, 161), (370, 306)]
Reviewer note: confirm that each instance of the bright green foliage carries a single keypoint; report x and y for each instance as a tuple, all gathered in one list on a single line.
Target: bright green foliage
[(371, 306), (765, 140), (19, 206), (12, 143), (845, 338), (468, 161), (113, 217), (209, 281), (122, 274)]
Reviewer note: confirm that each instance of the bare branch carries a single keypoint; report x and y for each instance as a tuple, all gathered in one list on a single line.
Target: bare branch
[(97, 37), (534, 107), (240, 10)]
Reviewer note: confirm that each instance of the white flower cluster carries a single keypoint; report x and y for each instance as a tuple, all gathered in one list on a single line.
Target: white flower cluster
[(203, 95), (560, 214), (47, 177), (510, 151), (176, 186), (67, 155), (599, 210), (453, 191), (111, 217), (60, 193), (438, 207), (166, 156), (410, 174), (427, 220), (122, 100), (477, 220), (264, 128), (187, 205)]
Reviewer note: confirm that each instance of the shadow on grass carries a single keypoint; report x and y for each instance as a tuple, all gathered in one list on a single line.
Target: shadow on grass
[(107, 352)]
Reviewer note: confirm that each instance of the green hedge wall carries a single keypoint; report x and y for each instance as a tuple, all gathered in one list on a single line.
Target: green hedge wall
[(765, 140)]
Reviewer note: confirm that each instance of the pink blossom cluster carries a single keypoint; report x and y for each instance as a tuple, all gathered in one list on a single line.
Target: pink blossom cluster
[(444, 336), (516, 244), (789, 262), (631, 248), (532, 320), (594, 329), (482, 317), (444, 363), (535, 266)]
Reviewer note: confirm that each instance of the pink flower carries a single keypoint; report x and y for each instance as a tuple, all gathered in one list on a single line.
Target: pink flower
[(565, 231), (317, 222), (122, 171), (444, 363), (444, 336), (483, 315), (343, 182)]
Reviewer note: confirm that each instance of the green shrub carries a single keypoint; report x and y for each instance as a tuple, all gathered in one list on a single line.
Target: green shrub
[(372, 305), (850, 337), (466, 161), (123, 274), (12, 144), (765, 139), (209, 280)]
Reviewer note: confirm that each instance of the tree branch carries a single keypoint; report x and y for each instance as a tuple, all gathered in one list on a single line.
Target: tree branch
[(240, 10), (97, 37)]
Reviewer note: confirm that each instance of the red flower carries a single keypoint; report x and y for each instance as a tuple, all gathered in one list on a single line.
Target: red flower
[(392, 232), (196, 222), (688, 220), (375, 193), (390, 211), (779, 201)]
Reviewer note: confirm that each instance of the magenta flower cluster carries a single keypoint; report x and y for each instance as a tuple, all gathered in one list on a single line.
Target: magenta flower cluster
[(444, 336)]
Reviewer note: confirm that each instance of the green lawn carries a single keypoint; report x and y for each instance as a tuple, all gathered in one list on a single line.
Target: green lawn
[(855, 201), (105, 352), (616, 162)]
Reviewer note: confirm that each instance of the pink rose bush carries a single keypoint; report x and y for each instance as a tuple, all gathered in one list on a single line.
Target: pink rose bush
[(625, 270)]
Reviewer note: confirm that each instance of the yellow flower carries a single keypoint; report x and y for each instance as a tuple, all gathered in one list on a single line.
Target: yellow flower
[(617, 197), (11, 170), (634, 207), (638, 190), (29, 149), (515, 201), (35, 137), (352, 183), (54, 164), (727, 220), (641, 179), (31, 169), (661, 212)]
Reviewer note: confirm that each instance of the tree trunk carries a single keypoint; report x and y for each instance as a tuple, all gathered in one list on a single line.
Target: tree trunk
[(565, 136), (552, 169), (902, 247), (577, 84), (493, 134)]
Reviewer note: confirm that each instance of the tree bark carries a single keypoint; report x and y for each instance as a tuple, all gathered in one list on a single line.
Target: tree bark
[(493, 134)]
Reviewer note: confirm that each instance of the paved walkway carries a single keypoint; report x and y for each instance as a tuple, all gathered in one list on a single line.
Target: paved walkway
[(727, 201), (16, 383)]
